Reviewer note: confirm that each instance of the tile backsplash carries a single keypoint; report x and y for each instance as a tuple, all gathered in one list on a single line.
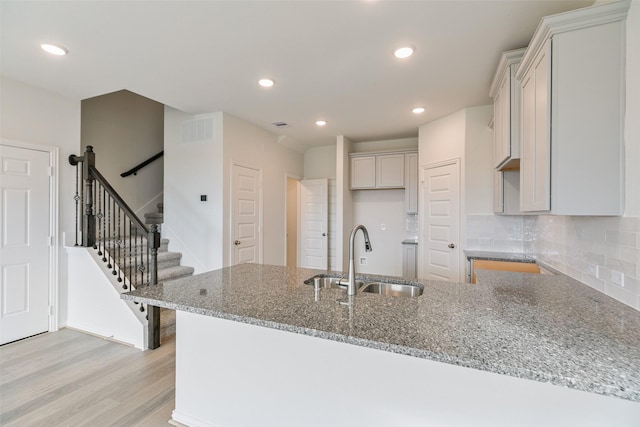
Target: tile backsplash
[(495, 233), (601, 252)]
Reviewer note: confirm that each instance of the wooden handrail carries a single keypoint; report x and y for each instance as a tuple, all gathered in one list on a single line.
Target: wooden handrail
[(115, 196), (134, 171)]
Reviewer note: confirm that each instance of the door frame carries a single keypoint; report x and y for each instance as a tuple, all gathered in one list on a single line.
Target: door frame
[(422, 214), (53, 152), (260, 216), (287, 177)]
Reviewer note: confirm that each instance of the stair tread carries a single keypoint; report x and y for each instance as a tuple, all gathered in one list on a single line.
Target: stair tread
[(177, 271)]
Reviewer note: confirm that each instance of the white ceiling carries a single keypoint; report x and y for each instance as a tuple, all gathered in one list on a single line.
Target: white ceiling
[(331, 60)]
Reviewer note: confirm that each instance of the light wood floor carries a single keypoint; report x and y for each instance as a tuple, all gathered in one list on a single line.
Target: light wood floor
[(69, 378)]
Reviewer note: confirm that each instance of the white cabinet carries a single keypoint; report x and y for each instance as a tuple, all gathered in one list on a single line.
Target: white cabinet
[(572, 80), (377, 170), (505, 92), (390, 171), (409, 260), (411, 183), (506, 192), (363, 172)]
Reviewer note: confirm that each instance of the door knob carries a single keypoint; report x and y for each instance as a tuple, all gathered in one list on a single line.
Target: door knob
[(451, 245), (237, 242), (324, 234)]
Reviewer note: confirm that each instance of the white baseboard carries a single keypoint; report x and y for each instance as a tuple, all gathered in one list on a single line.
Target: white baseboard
[(189, 421), (92, 330)]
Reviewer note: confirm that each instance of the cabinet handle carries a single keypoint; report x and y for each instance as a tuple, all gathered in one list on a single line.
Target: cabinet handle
[(237, 242), (452, 246)]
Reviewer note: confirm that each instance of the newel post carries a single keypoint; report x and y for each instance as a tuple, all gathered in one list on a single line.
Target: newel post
[(153, 312), (89, 224)]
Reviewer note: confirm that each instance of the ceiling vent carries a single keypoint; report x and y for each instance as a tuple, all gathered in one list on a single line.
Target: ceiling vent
[(196, 130), (280, 124)]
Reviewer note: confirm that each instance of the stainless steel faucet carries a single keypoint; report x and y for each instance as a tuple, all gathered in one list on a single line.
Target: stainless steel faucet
[(351, 284)]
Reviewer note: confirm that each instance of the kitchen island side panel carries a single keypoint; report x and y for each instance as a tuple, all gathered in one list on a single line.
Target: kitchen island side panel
[(235, 374)]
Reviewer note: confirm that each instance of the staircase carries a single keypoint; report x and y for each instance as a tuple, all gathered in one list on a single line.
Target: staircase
[(169, 268), (130, 249)]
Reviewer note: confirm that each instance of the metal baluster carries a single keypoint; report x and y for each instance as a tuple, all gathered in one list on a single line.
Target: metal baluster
[(134, 273), (109, 239), (148, 263), (100, 216), (142, 266), (116, 237), (127, 254), (119, 247)]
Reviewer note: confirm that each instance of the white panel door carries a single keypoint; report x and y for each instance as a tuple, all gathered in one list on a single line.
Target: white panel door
[(314, 206), (441, 192), (246, 195), (24, 243)]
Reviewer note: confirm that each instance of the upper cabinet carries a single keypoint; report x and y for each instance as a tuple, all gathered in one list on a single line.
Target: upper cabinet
[(505, 92), (572, 110), (377, 170), (411, 183)]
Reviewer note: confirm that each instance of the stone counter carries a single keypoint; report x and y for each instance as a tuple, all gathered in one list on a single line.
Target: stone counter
[(544, 328)]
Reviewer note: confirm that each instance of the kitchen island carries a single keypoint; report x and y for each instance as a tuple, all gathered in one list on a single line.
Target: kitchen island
[(257, 346)]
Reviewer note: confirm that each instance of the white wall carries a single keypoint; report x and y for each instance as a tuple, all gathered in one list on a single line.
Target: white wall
[(479, 161), (126, 129), (194, 228), (250, 145), (442, 139), (385, 145), (34, 115), (320, 162), (344, 205)]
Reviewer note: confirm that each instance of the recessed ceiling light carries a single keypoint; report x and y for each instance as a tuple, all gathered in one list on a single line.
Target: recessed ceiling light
[(266, 82), (418, 110), (403, 52), (54, 49), (321, 123)]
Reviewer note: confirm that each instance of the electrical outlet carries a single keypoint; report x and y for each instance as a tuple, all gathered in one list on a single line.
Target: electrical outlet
[(363, 260), (485, 241), (383, 227), (592, 270), (617, 278)]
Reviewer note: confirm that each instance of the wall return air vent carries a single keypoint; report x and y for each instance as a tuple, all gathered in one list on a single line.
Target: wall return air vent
[(196, 130)]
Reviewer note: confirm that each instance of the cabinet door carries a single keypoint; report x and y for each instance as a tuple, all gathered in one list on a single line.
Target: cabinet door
[(409, 261), (390, 171), (411, 183), (498, 192), (363, 172), (535, 170), (502, 121)]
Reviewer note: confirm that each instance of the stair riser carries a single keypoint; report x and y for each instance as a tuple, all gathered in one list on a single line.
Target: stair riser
[(161, 278), (133, 250), (161, 264)]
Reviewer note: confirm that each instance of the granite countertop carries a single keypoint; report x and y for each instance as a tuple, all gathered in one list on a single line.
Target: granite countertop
[(548, 328), (499, 256)]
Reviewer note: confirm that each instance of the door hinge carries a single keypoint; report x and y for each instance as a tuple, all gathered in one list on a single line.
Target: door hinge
[(50, 240), (50, 310), (50, 170)]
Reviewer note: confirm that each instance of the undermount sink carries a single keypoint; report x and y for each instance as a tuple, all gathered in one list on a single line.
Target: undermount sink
[(329, 282), (392, 289), (380, 288)]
